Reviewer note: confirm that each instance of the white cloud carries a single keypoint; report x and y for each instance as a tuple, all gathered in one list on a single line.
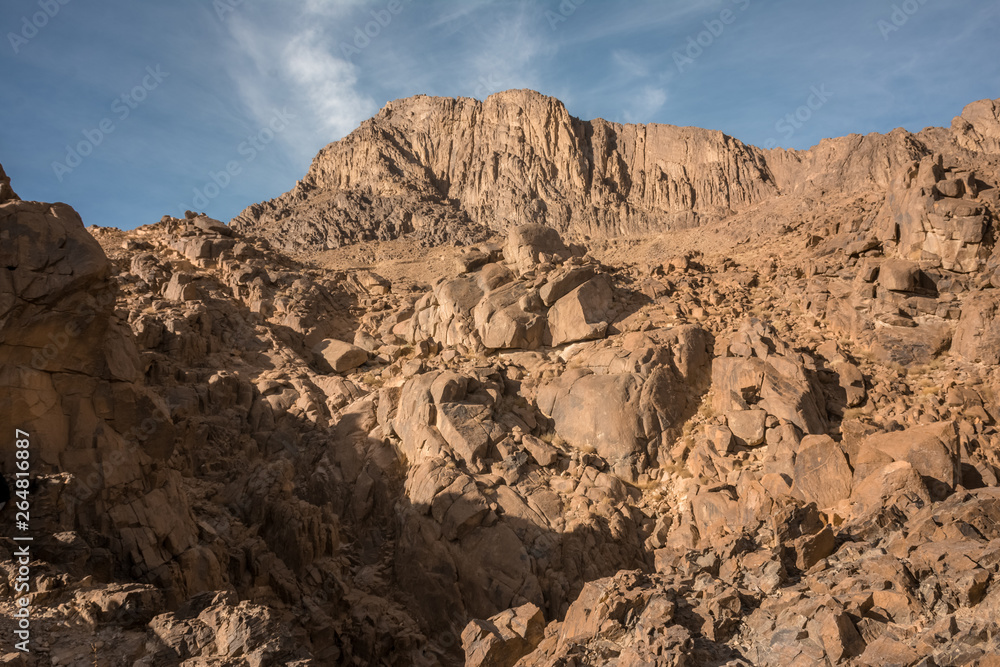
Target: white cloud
[(326, 84), (506, 46), (291, 64), (630, 63), (644, 104)]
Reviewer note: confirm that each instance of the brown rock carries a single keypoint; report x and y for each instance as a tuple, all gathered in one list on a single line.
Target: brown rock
[(977, 337), (821, 475), (837, 633), (932, 450), (6, 192), (503, 639), (582, 314), (543, 453), (336, 356), (526, 244), (747, 426), (899, 276)]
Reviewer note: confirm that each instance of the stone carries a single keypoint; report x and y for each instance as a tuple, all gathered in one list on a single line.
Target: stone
[(561, 283), (543, 453), (503, 639), (205, 223), (894, 482), (838, 635), (583, 313), (6, 191), (747, 426), (977, 336), (527, 243), (932, 450), (336, 356), (822, 474), (597, 413), (181, 288), (778, 385), (899, 276)]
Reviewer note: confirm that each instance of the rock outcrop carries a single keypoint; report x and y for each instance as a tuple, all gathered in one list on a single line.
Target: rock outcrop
[(769, 439), (440, 169)]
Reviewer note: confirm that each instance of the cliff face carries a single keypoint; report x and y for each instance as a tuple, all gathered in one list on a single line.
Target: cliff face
[(656, 451), (454, 170)]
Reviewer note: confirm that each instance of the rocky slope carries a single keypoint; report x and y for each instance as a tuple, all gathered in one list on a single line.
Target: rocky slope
[(770, 439)]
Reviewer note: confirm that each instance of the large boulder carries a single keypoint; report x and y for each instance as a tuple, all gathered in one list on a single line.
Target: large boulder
[(757, 370), (510, 317), (336, 356), (528, 244), (821, 474), (505, 638), (977, 337), (933, 451), (583, 313), (598, 413), (630, 402), (899, 275)]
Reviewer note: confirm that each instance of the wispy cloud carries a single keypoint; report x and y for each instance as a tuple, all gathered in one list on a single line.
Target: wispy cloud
[(293, 64), (327, 85), (509, 46), (644, 103), (631, 64)]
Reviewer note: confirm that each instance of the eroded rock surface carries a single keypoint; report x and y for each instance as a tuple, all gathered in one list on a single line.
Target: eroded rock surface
[(769, 440)]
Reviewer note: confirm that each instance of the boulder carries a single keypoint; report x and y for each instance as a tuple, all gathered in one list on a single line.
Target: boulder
[(510, 317), (933, 451), (822, 474), (582, 314), (6, 191), (336, 356), (181, 288), (597, 413), (543, 453), (562, 282), (777, 385), (503, 639), (894, 485), (899, 276), (977, 337), (527, 243), (747, 426), (207, 224)]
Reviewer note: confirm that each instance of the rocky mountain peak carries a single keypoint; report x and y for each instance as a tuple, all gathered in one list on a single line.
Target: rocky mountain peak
[(442, 170), (604, 394)]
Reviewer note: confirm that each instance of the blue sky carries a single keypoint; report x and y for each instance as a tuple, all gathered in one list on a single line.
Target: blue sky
[(131, 110)]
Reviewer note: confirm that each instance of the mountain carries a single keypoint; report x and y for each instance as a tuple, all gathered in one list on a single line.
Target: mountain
[(441, 170), (588, 394)]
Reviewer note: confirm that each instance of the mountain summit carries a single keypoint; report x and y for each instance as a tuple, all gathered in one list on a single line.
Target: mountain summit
[(441, 170)]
